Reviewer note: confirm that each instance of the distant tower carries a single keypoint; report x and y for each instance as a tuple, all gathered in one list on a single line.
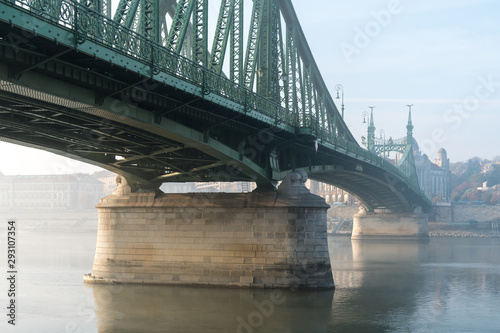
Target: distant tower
[(442, 159), (371, 132), (409, 128)]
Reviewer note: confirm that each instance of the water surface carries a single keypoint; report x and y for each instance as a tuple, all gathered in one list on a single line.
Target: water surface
[(445, 285)]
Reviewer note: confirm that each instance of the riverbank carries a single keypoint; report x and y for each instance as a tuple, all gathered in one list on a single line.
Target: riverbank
[(439, 229), (478, 230)]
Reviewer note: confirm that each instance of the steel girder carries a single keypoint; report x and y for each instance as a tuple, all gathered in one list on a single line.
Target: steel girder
[(126, 12), (200, 33), (253, 35), (100, 6), (180, 24), (236, 59), (221, 38), (150, 20), (269, 55), (229, 27)]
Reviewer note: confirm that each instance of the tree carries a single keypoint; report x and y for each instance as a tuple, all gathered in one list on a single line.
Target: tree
[(487, 196), (495, 198), (477, 179), (476, 196), (473, 166), (458, 192)]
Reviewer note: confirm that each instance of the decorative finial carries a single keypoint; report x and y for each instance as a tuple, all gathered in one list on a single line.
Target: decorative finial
[(409, 113), (371, 115)]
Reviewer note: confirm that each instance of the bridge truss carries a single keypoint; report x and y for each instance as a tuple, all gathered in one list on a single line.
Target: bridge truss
[(145, 92)]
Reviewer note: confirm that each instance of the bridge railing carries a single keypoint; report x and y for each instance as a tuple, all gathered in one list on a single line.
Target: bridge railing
[(400, 141)]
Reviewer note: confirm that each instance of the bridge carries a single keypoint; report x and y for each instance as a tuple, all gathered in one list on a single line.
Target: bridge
[(158, 93)]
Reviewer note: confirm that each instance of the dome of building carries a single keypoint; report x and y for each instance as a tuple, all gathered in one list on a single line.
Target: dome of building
[(442, 159), (442, 153)]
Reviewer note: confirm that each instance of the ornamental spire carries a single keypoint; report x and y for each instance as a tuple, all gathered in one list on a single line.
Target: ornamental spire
[(409, 127), (371, 116), (371, 131)]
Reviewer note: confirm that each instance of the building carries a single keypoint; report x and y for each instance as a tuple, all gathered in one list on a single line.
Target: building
[(331, 194), (108, 179), (49, 192), (434, 178)]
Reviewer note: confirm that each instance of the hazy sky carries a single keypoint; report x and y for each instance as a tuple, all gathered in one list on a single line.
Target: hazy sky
[(441, 56)]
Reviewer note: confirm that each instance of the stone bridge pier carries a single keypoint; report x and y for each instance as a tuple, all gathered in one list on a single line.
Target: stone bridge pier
[(383, 223), (274, 239)]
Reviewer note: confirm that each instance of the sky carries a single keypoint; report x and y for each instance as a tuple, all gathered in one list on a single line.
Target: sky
[(442, 57)]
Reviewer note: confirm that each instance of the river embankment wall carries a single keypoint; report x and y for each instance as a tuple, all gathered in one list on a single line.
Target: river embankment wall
[(443, 214), (464, 213)]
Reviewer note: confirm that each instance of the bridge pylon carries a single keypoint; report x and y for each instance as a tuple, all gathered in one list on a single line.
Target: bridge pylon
[(385, 224)]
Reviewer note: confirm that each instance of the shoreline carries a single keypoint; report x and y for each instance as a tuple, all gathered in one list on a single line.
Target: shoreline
[(464, 230), (461, 234), (441, 229), (437, 234)]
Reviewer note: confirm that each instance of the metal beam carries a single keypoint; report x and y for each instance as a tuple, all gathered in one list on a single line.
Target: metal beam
[(180, 25), (222, 31), (200, 33), (126, 12), (18, 73), (153, 154), (236, 47), (150, 20), (251, 51)]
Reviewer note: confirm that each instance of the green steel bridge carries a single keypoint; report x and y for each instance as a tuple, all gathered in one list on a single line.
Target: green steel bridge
[(158, 94)]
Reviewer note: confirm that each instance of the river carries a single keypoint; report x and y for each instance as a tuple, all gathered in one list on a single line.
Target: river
[(445, 285)]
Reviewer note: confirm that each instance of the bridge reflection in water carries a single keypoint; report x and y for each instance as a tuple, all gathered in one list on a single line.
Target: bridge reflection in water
[(135, 308), (373, 280), (377, 283), (448, 284)]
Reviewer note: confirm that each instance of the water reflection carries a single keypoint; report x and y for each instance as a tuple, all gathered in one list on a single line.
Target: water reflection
[(445, 286), (375, 264), (132, 308), (415, 287), (375, 280)]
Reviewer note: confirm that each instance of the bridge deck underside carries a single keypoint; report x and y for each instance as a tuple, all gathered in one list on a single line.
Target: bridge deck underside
[(116, 145), (373, 194)]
